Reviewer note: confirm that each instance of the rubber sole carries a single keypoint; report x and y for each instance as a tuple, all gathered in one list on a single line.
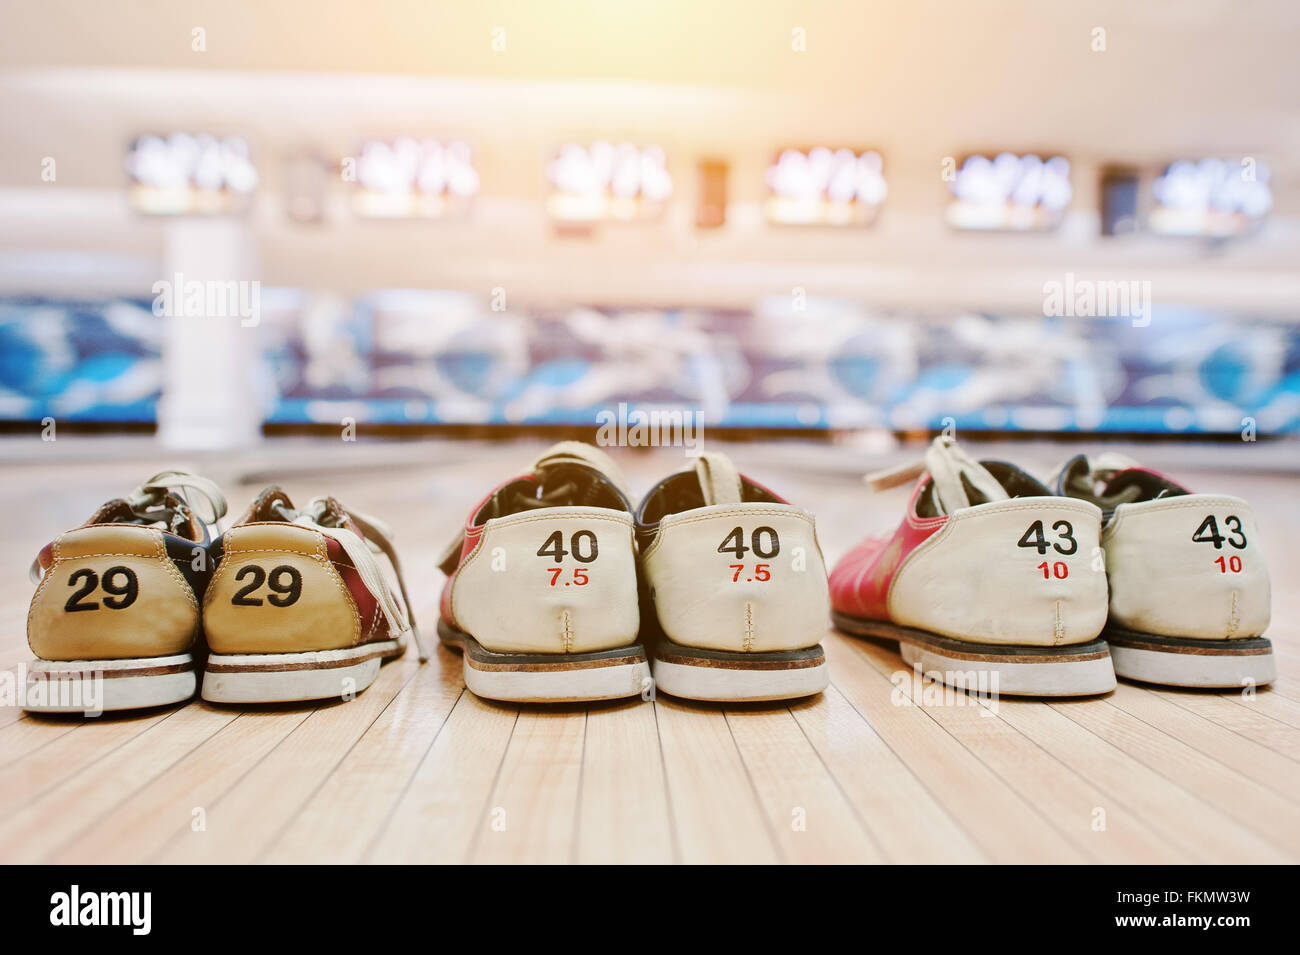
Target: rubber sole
[(1184, 661), (724, 677), (290, 677), (1081, 669), (549, 677), (95, 686)]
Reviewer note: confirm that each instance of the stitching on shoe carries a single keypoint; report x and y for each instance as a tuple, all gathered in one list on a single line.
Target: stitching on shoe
[(175, 573), (49, 575), (322, 555), (80, 556), (748, 643), (671, 521)]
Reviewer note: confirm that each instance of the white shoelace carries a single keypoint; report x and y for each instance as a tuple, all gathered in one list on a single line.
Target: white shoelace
[(578, 452), (1101, 469), (361, 551), (201, 496), (947, 465)]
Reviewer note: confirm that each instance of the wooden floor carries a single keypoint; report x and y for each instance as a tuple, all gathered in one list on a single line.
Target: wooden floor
[(417, 769)]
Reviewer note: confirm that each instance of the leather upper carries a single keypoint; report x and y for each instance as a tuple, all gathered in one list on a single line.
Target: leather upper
[(114, 591), (1166, 581), (729, 565), (546, 562), (984, 553), (1181, 564), (283, 586), (128, 582), (276, 590), (579, 596)]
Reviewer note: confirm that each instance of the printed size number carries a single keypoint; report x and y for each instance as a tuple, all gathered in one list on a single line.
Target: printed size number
[(283, 582), (1208, 533), (582, 547), (1058, 569), (1230, 566), (1035, 537), (764, 542), (119, 583), (761, 572), (578, 578)]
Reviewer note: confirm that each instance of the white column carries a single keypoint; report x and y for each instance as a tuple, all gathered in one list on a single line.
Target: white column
[(213, 393)]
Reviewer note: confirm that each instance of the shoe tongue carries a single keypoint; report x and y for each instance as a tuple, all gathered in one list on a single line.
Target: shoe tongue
[(958, 480), (116, 511), (1110, 479), (169, 512), (267, 506), (720, 482), (577, 452), (1141, 484), (1073, 478)]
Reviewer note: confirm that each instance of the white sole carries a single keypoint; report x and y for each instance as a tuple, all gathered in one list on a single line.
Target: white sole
[(94, 686), (559, 686), (291, 677), (1073, 678), (992, 669), (549, 677), (719, 676), (1207, 664)]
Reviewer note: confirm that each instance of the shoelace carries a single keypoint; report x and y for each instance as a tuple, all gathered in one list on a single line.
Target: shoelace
[(577, 452), (198, 495), (947, 464), (564, 452), (544, 497), (1101, 469), (320, 516)]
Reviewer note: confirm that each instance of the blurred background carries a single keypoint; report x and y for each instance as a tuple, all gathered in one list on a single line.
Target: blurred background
[(819, 217)]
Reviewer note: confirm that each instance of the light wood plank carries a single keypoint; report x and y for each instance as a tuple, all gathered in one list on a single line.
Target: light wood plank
[(1245, 756), (715, 809), (901, 815), (1134, 795), (28, 779), (1006, 826), (809, 815), (58, 815), (442, 809), (1287, 687), (26, 735), (140, 827), (1263, 820), (532, 812), (339, 822), (1271, 704), (623, 813), (1065, 798), (241, 823), (1245, 720)]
